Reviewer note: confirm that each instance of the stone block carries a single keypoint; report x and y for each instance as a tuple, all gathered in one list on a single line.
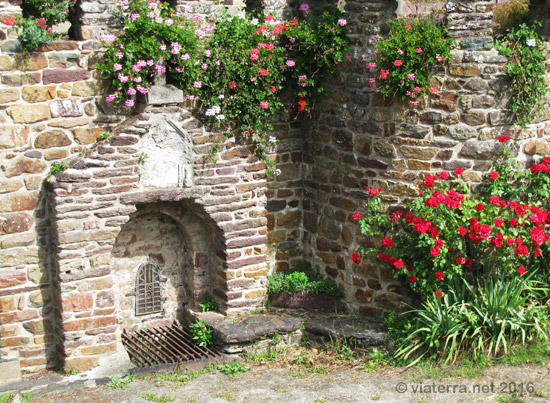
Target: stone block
[(462, 132), (86, 136), (23, 165), (164, 94), (29, 113), (18, 240), (12, 202), (464, 70), (540, 147), (77, 302), (56, 76), (420, 153), (8, 186), (9, 95), (13, 223), (54, 138), (9, 369), (19, 79), (81, 364), (13, 136), (38, 93), (12, 278), (86, 89), (32, 62), (66, 108), (6, 63)]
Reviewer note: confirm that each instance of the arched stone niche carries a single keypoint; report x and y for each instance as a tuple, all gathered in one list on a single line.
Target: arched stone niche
[(185, 247)]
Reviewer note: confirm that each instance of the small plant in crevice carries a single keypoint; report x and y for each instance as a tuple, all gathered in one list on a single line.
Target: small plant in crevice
[(104, 135), (208, 304), (201, 332), (142, 158), (524, 49), (57, 167)]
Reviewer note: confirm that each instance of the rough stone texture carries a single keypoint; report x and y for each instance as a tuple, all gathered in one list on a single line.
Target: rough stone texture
[(251, 329), (215, 229), (29, 113), (365, 333)]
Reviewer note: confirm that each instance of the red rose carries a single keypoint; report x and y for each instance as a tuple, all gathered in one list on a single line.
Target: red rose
[(480, 207), (439, 243), (434, 251), (513, 221), (438, 294), (493, 175), (537, 253), (398, 264), (458, 171), (439, 275), (355, 257), (388, 242), (232, 85), (356, 215), (444, 175), (502, 139), (521, 270), (462, 231), (9, 21), (396, 216), (412, 278)]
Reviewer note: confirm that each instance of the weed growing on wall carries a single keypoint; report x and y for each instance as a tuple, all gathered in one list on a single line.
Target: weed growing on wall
[(524, 49)]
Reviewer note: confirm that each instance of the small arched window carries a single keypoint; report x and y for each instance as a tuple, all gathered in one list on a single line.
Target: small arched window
[(148, 289)]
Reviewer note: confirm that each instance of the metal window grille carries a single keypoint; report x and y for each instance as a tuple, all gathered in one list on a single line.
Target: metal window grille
[(148, 289)]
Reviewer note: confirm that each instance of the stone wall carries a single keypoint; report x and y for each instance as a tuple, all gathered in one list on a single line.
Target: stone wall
[(63, 297), (362, 139), (70, 244)]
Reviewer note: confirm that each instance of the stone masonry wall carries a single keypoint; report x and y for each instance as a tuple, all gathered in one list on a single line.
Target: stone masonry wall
[(57, 306), (362, 139)]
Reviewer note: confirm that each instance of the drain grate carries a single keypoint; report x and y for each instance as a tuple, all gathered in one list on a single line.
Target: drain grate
[(163, 345)]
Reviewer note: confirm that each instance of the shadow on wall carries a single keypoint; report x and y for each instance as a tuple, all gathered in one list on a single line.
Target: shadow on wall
[(50, 328)]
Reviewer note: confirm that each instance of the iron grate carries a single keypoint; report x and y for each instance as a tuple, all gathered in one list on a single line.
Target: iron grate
[(164, 345)]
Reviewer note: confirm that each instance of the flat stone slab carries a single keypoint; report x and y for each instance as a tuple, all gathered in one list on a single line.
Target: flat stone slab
[(253, 328), (366, 334)]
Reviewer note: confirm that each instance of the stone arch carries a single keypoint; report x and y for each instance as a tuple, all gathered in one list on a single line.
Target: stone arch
[(184, 243)]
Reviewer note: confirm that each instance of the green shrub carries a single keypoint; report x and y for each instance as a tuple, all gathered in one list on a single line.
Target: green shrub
[(524, 49), (208, 304), (482, 320), (297, 280), (201, 333)]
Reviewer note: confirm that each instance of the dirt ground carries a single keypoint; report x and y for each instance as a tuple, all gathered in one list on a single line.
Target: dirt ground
[(299, 383)]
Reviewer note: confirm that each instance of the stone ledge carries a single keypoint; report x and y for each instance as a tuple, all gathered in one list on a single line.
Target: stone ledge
[(365, 333), (252, 329)]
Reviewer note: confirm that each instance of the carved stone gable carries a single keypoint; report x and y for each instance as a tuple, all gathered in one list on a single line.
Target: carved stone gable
[(168, 153)]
